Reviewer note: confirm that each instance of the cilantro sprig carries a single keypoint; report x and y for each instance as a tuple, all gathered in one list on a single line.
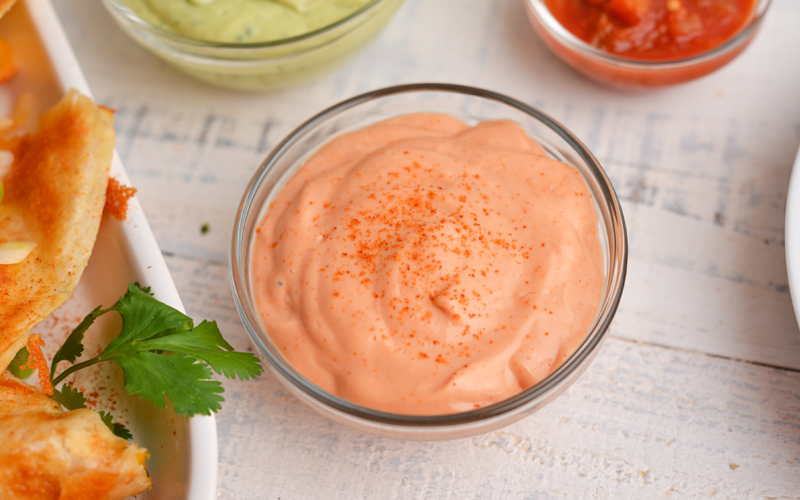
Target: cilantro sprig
[(161, 353)]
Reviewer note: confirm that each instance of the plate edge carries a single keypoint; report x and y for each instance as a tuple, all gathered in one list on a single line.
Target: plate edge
[(791, 236)]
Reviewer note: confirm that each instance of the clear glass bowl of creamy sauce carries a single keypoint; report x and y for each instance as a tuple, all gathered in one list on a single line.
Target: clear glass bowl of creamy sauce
[(252, 45), (471, 106)]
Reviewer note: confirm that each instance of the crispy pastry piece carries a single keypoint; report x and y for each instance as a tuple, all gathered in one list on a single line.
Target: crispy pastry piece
[(54, 197), (5, 5), (19, 398), (49, 455), (7, 67)]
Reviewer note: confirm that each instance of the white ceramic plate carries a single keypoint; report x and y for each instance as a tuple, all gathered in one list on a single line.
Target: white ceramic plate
[(792, 234), (183, 461)]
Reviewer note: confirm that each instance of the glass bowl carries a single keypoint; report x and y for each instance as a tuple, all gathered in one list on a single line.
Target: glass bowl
[(472, 106), (611, 69), (258, 66)]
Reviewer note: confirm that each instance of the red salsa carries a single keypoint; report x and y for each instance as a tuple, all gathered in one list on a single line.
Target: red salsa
[(653, 30)]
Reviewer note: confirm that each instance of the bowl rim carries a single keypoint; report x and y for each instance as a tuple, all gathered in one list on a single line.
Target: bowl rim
[(618, 250), (566, 38), (126, 12)]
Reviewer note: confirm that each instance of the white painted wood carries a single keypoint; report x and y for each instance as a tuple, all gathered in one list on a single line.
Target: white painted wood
[(702, 169), (643, 422)]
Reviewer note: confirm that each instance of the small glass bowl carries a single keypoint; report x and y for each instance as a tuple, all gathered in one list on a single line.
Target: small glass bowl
[(472, 106), (258, 66), (609, 68)]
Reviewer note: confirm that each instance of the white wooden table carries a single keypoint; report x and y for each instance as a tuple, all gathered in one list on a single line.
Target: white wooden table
[(696, 392)]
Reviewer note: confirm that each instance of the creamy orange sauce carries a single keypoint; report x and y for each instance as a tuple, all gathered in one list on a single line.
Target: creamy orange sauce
[(422, 266)]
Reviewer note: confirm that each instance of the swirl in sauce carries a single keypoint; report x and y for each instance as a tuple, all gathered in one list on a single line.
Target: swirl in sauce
[(422, 266)]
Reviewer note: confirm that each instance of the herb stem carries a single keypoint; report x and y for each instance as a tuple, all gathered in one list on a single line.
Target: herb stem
[(73, 346), (72, 369)]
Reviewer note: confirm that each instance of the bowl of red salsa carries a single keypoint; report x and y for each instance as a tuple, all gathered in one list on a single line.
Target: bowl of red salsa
[(646, 43)]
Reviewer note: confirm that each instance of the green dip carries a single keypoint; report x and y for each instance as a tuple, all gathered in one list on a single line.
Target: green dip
[(243, 21)]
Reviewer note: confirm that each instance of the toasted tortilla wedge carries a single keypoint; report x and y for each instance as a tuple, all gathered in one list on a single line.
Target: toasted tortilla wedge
[(46, 454), (5, 5), (7, 67), (19, 398), (54, 197)]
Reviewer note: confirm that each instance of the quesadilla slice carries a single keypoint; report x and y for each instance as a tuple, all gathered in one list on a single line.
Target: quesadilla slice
[(52, 207)]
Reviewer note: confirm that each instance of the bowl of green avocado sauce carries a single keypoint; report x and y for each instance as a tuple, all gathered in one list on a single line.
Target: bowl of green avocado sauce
[(252, 44)]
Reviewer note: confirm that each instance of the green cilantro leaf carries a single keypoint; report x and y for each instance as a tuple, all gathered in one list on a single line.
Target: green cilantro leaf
[(176, 375), (206, 343), (161, 354), (143, 317), (17, 364), (69, 397), (118, 429)]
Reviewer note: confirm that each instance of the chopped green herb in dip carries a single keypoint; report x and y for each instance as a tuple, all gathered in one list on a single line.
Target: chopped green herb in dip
[(243, 21)]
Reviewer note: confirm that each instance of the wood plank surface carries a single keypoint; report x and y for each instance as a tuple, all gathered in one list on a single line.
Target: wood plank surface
[(644, 421), (679, 392)]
